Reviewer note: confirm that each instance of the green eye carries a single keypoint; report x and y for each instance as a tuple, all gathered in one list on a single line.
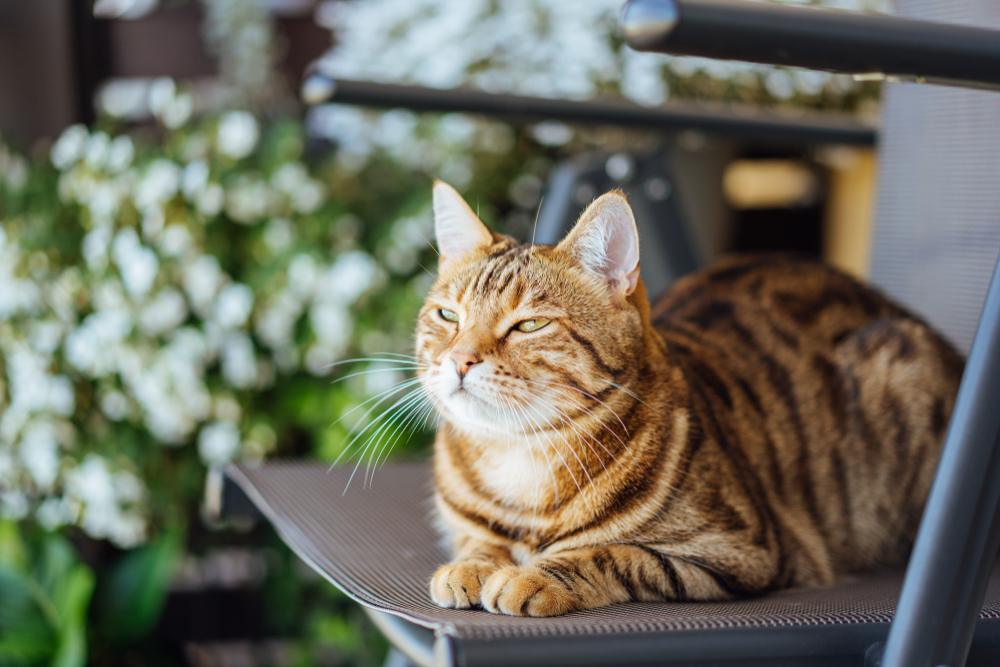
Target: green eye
[(449, 315), (528, 326)]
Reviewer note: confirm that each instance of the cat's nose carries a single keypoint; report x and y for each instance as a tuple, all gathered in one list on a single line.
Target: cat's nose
[(464, 361)]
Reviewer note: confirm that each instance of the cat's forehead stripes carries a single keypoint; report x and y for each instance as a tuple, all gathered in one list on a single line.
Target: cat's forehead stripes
[(504, 277)]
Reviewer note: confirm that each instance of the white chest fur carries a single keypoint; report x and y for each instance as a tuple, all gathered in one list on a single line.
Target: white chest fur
[(516, 474)]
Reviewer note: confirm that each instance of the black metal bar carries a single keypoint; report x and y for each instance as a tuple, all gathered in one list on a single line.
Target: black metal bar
[(957, 543), (742, 123), (815, 38)]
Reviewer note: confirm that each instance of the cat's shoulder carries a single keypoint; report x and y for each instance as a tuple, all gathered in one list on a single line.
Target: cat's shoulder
[(763, 281)]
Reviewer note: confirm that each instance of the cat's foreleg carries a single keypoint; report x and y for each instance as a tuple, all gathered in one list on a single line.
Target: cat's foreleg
[(458, 584), (601, 575)]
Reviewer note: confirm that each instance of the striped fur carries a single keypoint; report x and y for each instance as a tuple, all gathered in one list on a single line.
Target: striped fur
[(769, 423)]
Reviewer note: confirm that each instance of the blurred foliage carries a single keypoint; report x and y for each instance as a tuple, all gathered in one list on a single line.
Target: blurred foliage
[(45, 592)]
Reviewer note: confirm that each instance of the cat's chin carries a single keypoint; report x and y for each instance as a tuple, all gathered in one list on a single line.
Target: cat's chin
[(477, 416)]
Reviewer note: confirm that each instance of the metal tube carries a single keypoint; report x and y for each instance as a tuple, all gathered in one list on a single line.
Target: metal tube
[(746, 124), (958, 539), (815, 38)]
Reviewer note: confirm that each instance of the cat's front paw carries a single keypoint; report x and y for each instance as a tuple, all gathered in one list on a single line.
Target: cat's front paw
[(526, 591), (457, 585)]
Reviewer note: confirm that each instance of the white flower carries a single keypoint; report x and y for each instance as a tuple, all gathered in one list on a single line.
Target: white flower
[(232, 308), (16, 295), (248, 199), (211, 199), (161, 94), (91, 484), (288, 177), (194, 178), (165, 312), (95, 246), (92, 347), (276, 323), (120, 154), (237, 134), (202, 281), (128, 487), (40, 453), (54, 512), (175, 240), (69, 147), (351, 275), (13, 504), (227, 408), (278, 234), (114, 405), (178, 111), (95, 152), (61, 398), (103, 202), (137, 264), (129, 530), (218, 442), (307, 197), (46, 335), (331, 322), (159, 183), (239, 364), (303, 273)]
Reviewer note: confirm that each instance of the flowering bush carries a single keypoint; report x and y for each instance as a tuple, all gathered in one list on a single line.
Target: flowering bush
[(175, 300), (556, 48)]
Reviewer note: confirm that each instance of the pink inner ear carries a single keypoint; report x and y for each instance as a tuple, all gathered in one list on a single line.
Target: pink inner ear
[(456, 227), (622, 247)]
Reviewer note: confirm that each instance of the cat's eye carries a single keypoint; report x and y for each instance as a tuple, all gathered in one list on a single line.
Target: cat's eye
[(529, 326), (448, 315)]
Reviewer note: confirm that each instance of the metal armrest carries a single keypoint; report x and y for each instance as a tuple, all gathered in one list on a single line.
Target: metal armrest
[(320, 87), (815, 38)]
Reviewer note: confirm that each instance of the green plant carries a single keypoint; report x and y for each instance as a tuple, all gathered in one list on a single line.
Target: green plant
[(45, 592)]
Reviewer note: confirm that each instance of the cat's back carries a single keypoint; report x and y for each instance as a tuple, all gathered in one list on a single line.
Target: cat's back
[(788, 297), (833, 392)]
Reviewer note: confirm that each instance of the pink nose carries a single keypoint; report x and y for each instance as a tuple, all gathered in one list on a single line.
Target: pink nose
[(464, 361)]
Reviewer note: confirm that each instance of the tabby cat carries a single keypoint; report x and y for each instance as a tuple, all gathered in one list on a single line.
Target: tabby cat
[(769, 423)]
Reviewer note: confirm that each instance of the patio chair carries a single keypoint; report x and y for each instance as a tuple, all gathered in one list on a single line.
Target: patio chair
[(378, 547)]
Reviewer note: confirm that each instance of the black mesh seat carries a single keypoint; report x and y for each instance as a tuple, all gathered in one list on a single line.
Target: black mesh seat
[(377, 545)]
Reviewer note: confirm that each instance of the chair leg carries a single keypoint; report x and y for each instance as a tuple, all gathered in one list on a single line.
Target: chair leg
[(395, 658), (960, 531)]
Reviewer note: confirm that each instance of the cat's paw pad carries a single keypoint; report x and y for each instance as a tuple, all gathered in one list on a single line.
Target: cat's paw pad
[(457, 585), (525, 591)]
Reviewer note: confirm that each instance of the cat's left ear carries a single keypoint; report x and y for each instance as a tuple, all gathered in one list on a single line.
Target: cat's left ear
[(457, 228), (606, 241)]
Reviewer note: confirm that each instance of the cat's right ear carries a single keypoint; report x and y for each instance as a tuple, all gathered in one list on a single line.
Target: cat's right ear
[(457, 228)]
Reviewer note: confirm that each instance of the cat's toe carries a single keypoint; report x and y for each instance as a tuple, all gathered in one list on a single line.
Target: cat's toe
[(525, 591), (457, 585)]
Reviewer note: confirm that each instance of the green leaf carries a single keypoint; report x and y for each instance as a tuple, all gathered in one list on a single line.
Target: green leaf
[(131, 599), (13, 553), (27, 632), (72, 598)]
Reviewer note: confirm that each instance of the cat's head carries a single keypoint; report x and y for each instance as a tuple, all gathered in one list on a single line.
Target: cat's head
[(519, 337)]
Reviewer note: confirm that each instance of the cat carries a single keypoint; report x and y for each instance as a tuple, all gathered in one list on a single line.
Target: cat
[(769, 423)]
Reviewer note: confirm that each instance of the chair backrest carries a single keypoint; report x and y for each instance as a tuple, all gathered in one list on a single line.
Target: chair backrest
[(937, 217)]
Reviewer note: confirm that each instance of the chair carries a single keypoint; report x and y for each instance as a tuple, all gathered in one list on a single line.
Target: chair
[(378, 547)]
